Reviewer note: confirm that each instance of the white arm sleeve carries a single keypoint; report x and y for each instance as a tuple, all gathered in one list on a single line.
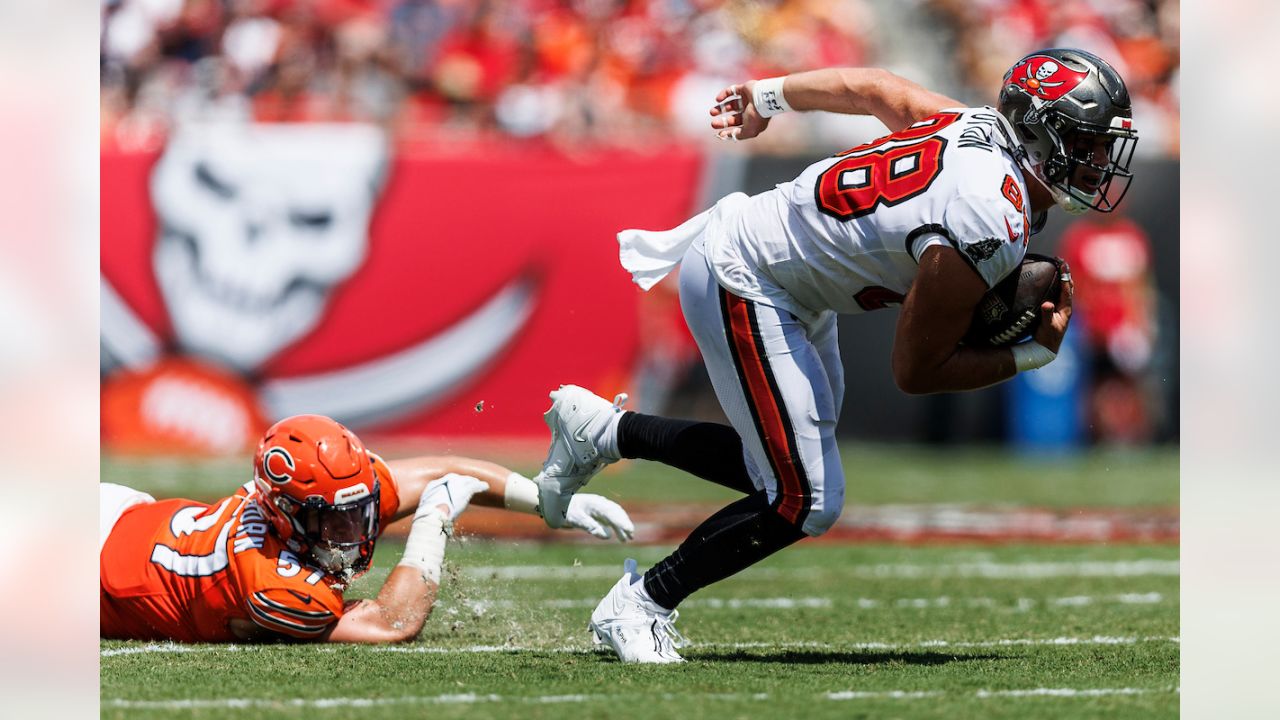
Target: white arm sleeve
[(923, 242)]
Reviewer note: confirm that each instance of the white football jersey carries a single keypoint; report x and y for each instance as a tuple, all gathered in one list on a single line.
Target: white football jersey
[(847, 234)]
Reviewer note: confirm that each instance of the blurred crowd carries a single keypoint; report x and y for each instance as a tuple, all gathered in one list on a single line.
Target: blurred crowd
[(578, 72), (1138, 37)]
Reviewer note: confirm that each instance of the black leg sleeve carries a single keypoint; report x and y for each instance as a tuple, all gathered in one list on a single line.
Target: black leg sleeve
[(710, 451), (735, 538)]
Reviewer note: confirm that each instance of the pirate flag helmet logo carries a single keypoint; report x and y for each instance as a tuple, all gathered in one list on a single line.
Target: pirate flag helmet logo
[(1072, 117), (1044, 78)]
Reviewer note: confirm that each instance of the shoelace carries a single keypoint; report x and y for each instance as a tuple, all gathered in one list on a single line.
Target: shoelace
[(664, 630)]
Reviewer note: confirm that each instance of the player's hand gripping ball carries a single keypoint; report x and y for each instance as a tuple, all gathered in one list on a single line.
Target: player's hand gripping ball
[(1010, 312)]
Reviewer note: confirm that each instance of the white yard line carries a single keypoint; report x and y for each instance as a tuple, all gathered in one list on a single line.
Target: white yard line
[(1069, 692), (480, 607), (1022, 604), (1140, 598), (587, 603), (1006, 642), (173, 647), (428, 650), (1095, 640), (989, 570), (883, 694), (147, 649), (473, 698), (425, 649)]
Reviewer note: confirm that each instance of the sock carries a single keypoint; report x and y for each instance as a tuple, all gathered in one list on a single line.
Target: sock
[(707, 450), (607, 437), (738, 536)]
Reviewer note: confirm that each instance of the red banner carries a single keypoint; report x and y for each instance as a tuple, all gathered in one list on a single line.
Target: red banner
[(447, 301)]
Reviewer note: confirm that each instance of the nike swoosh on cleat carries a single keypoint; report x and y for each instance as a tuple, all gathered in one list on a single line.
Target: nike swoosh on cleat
[(577, 434)]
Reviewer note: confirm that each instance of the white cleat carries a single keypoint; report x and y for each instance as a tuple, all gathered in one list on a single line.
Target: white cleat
[(578, 420), (636, 629)]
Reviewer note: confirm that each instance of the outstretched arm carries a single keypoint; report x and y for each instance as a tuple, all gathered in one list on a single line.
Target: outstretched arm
[(510, 490), (396, 615), (894, 100), (414, 474)]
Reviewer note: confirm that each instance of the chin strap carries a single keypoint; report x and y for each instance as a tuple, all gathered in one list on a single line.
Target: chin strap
[(1069, 202), (1063, 198)]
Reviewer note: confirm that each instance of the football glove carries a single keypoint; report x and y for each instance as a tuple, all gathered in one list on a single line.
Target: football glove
[(452, 493), (599, 516)]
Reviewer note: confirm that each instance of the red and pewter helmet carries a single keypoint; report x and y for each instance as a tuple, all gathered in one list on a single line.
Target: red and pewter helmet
[(1063, 104), (319, 487)]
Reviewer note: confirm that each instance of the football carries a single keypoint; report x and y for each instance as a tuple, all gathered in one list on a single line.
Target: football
[(1010, 312)]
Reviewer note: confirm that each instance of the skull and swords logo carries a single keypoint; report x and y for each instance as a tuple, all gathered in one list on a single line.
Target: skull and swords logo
[(259, 225), (1040, 81), (1044, 78)]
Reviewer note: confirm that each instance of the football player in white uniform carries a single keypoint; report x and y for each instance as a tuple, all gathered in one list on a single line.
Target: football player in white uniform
[(928, 217)]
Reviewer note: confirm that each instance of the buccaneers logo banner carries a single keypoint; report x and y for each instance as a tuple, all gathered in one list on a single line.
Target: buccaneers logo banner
[(255, 271)]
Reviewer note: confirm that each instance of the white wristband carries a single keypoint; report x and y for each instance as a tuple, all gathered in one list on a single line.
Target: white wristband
[(521, 494), (1031, 355), (767, 96), (424, 549)]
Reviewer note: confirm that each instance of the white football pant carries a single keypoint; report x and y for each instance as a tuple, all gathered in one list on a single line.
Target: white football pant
[(113, 500), (781, 385)]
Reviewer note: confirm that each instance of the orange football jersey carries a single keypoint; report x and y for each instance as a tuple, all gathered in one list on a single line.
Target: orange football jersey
[(183, 570)]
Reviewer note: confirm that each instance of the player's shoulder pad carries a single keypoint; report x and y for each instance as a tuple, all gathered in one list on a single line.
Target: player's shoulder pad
[(284, 596), (303, 613), (988, 228), (980, 131), (388, 491)]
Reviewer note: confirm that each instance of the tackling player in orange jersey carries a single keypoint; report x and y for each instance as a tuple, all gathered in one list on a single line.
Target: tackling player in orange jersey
[(272, 560)]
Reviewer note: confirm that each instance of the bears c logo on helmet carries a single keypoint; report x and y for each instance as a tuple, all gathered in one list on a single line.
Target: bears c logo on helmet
[(1044, 78), (277, 464)]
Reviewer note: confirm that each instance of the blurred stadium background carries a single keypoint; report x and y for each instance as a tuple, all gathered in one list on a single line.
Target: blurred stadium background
[(401, 212)]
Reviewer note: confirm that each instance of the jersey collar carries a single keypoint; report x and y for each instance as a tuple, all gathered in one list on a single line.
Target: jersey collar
[(1006, 139)]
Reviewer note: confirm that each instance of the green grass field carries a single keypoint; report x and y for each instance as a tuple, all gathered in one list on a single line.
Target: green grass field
[(875, 474), (819, 630)]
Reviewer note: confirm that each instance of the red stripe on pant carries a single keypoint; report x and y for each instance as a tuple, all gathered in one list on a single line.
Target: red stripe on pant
[(772, 416)]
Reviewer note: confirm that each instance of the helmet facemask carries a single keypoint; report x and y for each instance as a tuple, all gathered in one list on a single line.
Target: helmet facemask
[(338, 539), (1073, 160)]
